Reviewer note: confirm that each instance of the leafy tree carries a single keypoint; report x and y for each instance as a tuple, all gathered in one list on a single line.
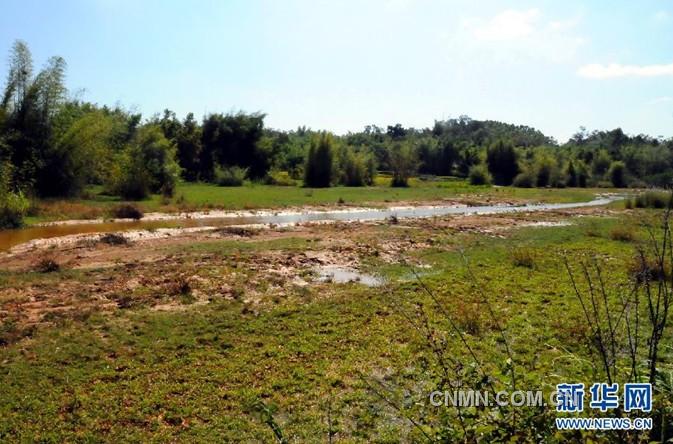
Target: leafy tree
[(28, 105), (403, 162), (147, 166), (356, 168), (319, 169), (571, 174), (467, 157), (600, 164), (437, 157), (501, 159), (545, 169), (582, 175), (232, 140), (188, 142), (617, 174), (479, 175), (396, 131), (525, 179), (81, 154)]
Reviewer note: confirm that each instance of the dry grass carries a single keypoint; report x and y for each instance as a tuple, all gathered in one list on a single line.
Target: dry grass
[(59, 209), (47, 265), (469, 317), (523, 257), (647, 270), (623, 233)]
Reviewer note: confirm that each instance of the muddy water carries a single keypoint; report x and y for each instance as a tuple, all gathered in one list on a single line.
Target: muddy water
[(11, 238)]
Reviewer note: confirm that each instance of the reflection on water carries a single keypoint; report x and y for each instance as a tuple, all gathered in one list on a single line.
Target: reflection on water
[(343, 275), (10, 238)]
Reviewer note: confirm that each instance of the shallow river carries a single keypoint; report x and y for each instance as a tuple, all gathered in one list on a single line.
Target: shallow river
[(10, 238)]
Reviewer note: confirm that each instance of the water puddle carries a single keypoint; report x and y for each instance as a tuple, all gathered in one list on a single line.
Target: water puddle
[(343, 275)]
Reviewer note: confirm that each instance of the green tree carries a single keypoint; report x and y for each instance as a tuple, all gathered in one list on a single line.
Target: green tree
[(319, 169), (479, 175), (501, 159), (582, 174), (356, 168), (82, 154), (600, 164), (147, 166), (617, 174), (28, 107), (571, 174), (188, 141), (403, 163), (233, 140), (545, 169)]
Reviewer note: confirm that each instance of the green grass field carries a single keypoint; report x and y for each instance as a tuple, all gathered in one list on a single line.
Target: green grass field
[(201, 374)]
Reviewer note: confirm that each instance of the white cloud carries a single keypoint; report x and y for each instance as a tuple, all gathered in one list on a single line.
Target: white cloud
[(598, 71), (397, 5), (661, 16), (659, 100), (507, 25), (515, 34)]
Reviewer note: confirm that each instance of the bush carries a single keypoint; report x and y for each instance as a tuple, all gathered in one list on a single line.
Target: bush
[(525, 179), (113, 239), (47, 265), (622, 233), (230, 176), (280, 178), (13, 205), (647, 269), (127, 211), (13, 208), (479, 175), (523, 257), (653, 199)]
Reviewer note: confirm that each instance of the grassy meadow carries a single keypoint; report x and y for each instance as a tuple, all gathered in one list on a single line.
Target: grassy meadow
[(300, 364)]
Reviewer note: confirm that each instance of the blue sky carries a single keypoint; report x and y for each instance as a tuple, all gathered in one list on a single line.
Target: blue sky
[(340, 65)]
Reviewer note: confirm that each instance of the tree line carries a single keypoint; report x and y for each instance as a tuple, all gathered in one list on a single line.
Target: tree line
[(52, 145)]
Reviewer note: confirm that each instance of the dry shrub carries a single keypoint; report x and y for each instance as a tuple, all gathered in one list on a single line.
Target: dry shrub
[(653, 199), (592, 229), (523, 257), (11, 331), (62, 208), (180, 287), (469, 317), (47, 265), (113, 239), (237, 231), (647, 269), (127, 211), (623, 233)]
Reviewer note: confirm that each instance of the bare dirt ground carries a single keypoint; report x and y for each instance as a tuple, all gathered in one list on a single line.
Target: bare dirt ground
[(253, 265)]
